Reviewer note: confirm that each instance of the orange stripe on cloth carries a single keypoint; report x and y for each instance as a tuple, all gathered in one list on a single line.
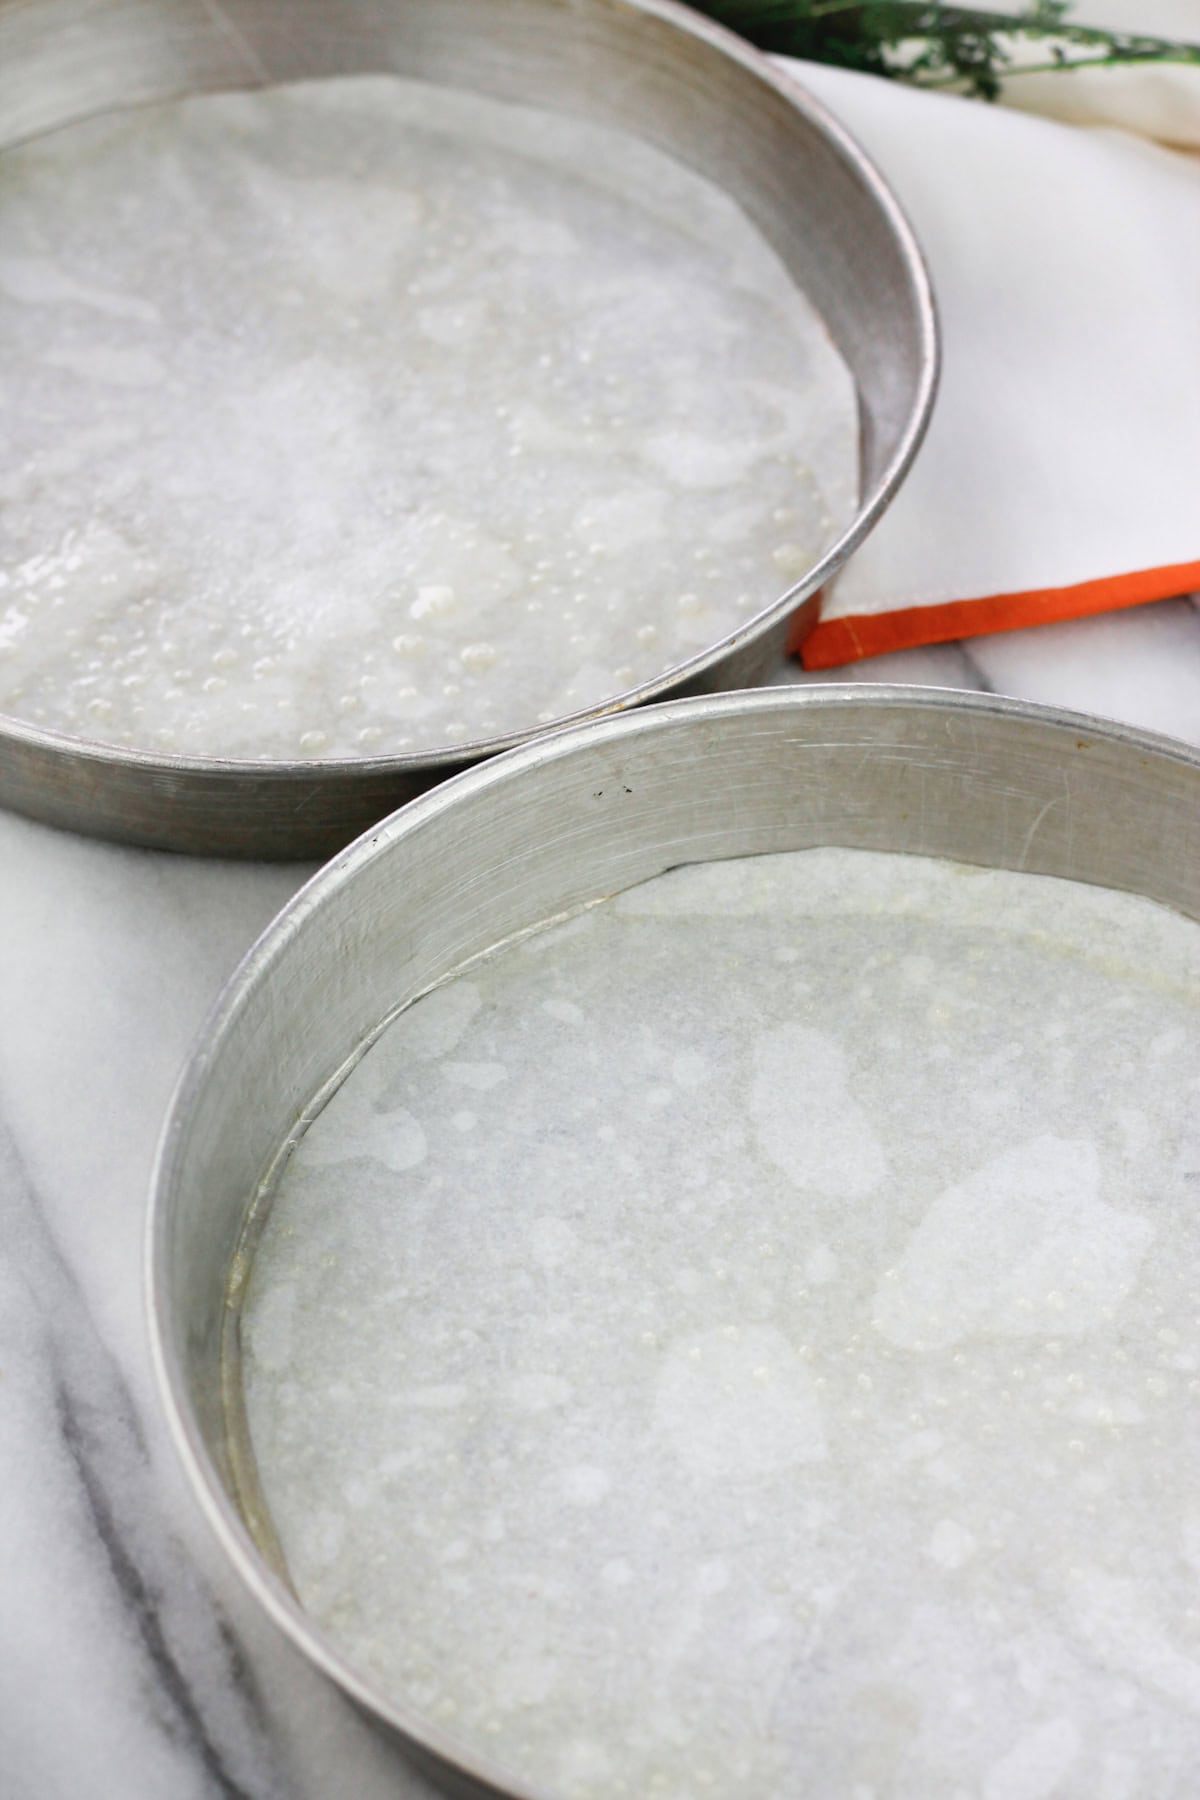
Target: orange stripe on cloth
[(835, 641)]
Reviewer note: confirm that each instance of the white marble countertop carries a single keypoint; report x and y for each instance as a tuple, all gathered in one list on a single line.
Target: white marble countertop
[(130, 1661)]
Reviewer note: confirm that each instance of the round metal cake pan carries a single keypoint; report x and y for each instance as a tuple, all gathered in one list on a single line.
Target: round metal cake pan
[(651, 67), (577, 815)]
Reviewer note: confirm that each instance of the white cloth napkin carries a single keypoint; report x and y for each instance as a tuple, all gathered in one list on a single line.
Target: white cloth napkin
[(1061, 472)]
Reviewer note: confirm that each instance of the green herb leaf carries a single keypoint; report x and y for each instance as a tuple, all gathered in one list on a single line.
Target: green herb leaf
[(966, 48)]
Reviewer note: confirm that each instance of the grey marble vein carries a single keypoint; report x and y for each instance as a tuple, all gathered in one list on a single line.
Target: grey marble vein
[(137, 1569), (131, 1662)]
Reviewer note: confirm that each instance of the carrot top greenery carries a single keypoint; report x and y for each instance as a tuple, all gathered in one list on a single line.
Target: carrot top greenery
[(962, 47)]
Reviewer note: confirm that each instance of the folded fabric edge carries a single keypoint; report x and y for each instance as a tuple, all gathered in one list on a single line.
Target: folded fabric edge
[(831, 642)]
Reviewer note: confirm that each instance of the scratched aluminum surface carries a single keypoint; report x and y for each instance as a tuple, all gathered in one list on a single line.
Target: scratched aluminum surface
[(575, 816), (649, 66)]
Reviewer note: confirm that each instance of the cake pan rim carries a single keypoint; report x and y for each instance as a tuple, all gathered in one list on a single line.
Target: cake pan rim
[(422, 1736), (41, 766)]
